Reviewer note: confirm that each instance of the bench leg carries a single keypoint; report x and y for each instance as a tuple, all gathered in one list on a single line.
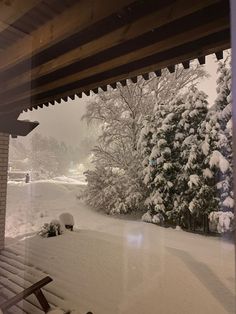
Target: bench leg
[(42, 300)]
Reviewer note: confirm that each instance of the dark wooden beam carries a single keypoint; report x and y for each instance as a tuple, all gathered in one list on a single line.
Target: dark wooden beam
[(171, 68), (134, 79), (104, 88), (186, 64), (85, 69), (202, 60), (123, 82), (162, 16), (72, 97), (145, 76), (62, 26), (79, 95), (11, 11), (95, 90), (87, 92), (219, 55), (180, 54), (158, 73), (113, 85), (65, 99), (16, 127)]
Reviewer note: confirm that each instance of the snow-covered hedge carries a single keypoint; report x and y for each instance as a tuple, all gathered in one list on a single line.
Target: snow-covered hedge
[(52, 229), (221, 221)]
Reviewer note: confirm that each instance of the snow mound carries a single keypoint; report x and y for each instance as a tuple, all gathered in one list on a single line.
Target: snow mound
[(79, 180), (221, 221)]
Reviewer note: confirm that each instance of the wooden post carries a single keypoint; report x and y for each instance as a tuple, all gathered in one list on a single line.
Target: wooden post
[(4, 148)]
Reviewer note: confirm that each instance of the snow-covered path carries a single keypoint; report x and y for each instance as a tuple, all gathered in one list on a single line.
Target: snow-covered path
[(117, 266)]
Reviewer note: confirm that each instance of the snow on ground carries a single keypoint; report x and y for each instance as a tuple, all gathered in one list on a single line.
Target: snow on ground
[(120, 266)]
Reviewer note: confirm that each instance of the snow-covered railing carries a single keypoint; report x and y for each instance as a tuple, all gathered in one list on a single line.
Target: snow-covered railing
[(34, 289)]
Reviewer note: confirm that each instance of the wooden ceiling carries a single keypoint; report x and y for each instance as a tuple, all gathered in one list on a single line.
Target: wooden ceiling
[(51, 49)]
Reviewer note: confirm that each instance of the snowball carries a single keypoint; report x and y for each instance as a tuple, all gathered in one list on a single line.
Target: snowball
[(67, 219)]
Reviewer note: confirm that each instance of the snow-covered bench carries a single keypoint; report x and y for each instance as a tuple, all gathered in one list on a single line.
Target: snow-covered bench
[(34, 289)]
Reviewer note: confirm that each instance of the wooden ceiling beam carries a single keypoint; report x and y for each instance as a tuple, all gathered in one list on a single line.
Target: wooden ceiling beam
[(11, 11), (78, 17), (171, 68), (219, 55), (180, 54), (202, 60), (168, 43), (16, 127), (137, 28), (186, 64), (158, 73), (145, 76)]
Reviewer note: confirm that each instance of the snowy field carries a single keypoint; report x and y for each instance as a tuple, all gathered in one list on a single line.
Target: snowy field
[(118, 266)]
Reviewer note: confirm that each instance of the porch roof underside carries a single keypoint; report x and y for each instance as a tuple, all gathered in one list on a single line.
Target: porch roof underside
[(53, 50)]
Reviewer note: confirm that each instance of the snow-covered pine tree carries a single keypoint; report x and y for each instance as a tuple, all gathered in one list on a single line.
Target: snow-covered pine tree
[(160, 145), (219, 138), (193, 190)]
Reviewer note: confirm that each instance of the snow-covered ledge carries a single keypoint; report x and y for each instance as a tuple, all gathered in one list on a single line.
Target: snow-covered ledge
[(233, 44), (4, 148)]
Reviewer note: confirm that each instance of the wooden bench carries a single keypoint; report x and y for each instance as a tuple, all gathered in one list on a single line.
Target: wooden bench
[(34, 289)]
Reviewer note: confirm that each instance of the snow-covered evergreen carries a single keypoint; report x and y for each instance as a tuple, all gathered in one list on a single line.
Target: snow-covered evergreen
[(187, 157)]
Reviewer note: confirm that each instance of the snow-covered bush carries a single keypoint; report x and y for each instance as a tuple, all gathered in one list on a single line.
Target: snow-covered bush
[(52, 229), (158, 219), (113, 191), (147, 217), (67, 220), (221, 221)]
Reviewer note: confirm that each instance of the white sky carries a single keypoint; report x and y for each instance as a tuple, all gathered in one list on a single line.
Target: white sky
[(63, 121)]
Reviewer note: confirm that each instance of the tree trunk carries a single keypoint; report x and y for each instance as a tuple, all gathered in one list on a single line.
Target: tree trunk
[(189, 221)]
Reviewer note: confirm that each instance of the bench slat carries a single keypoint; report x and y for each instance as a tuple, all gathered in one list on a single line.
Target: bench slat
[(34, 289)]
